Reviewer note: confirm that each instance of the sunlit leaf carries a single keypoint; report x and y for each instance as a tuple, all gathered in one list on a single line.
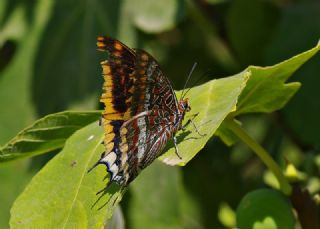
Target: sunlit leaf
[(266, 91), (63, 193), (213, 101)]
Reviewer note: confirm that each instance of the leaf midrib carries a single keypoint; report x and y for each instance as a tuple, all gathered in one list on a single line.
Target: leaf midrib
[(80, 181)]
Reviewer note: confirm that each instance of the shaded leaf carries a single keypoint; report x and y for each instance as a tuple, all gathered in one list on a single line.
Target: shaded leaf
[(64, 192), (46, 134), (226, 135), (167, 181), (174, 208), (265, 208), (15, 79), (249, 38), (156, 16)]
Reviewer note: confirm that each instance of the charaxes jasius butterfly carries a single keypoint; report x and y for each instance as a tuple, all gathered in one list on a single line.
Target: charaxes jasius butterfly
[(141, 111)]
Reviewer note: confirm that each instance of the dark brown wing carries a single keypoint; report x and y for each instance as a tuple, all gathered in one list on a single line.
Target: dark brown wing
[(144, 136), (134, 83)]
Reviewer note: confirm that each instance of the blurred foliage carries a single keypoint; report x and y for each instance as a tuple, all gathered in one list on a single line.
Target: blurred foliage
[(251, 212), (49, 63)]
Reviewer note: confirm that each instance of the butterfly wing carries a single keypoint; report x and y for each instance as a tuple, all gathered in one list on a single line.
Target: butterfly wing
[(134, 87), (158, 92), (143, 138), (133, 83)]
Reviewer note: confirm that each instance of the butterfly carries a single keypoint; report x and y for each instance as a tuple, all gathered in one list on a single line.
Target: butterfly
[(141, 111)]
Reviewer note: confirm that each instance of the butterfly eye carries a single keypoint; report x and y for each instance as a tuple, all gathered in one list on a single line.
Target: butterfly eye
[(186, 105), (188, 108)]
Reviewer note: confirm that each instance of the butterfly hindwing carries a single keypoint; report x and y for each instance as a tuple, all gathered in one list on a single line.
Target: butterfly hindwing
[(144, 137)]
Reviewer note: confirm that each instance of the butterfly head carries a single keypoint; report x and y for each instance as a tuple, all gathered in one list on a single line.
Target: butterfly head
[(184, 105)]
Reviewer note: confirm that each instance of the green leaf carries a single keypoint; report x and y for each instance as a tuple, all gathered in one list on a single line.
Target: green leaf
[(46, 134), (63, 193), (266, 90), (157, 16), (265, 208), (213, 101), (226, 135)]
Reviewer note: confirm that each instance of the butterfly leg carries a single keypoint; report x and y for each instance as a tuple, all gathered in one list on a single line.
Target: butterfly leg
[(193, 124), (195, 127), (189, 121), (100, 121), (120, 193), (97, 163), (176, 147)]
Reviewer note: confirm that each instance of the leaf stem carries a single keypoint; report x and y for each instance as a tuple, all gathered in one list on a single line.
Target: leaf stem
[(262, 154)]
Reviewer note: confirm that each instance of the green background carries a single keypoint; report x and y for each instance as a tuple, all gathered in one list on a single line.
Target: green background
[(49, 63)]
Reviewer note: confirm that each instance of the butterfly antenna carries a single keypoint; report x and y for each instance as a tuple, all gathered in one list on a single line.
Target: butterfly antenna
[(190, 73), (198, 80)]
